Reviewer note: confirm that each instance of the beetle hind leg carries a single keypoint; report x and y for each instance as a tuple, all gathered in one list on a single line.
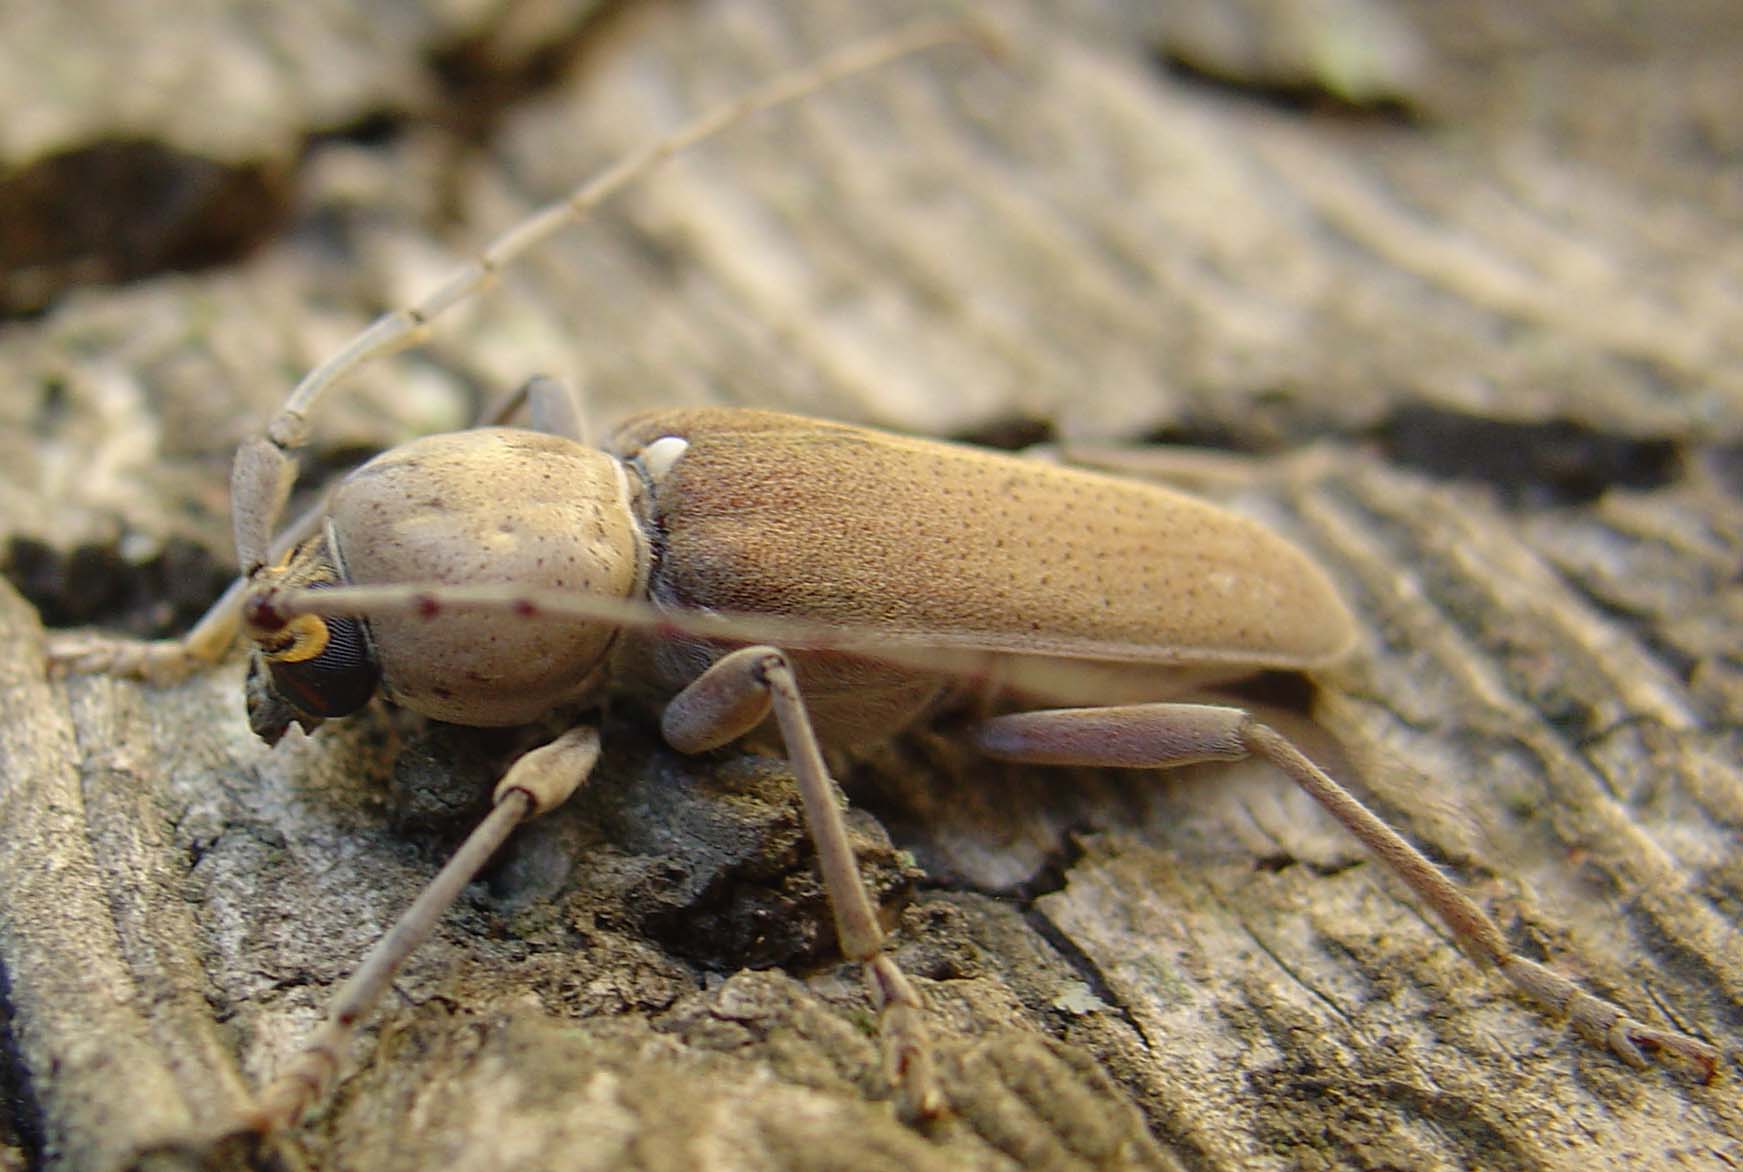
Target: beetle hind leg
[(1160, 736), (732, 697)]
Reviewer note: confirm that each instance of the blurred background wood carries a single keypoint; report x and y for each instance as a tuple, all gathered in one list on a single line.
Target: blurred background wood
[(1450, 291)]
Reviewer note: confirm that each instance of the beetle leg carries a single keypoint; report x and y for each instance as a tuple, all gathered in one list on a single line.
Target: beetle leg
[(543, 404), (728, 700), (537, 782), (1159, 736), (169, 661), (158, 661), (547, 405), (555, 408)]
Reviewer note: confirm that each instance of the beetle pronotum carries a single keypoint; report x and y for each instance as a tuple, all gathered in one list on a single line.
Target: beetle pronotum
[(834, 608)]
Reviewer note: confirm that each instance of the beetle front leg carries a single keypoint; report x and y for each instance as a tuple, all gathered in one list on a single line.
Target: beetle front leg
[(1160, 736), (538, 781), (544, 404), (169, 661), (728, 700)]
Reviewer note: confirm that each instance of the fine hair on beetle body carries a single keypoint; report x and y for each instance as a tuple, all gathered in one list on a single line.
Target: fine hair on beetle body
[(817, 584)]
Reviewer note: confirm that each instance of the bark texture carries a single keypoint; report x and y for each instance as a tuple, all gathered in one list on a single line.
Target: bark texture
[(1449, 292)]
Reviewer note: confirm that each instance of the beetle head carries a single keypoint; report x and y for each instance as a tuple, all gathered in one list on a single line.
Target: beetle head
[(305, 668)]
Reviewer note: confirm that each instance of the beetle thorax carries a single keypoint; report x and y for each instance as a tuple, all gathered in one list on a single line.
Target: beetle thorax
[(523, 509)]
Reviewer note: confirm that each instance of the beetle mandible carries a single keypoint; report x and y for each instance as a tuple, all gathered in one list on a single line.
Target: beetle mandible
[(751, 568)]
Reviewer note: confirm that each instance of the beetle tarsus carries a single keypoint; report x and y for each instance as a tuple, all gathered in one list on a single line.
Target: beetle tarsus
[(907, 1044), (157, 661), (1635, 1042)]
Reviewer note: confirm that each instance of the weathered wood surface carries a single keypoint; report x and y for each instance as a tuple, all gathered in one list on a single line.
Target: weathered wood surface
[(1334, 245)]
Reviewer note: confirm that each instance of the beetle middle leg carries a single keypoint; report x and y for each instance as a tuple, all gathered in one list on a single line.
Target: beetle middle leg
[(542, 404), (1161, 736), (729, 699)]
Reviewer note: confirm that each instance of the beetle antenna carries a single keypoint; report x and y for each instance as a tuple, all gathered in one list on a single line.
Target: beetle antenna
[(265, 467), (1081, 670)]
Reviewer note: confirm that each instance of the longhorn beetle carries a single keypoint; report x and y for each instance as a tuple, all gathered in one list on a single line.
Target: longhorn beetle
[(752, 566)]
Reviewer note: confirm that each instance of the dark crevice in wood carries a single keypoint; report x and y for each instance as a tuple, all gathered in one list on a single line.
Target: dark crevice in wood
[(1529, 464), (1189, 433), (21, 1116), (482, 78), (97, 585), (1081, 963), (1012, 433), (1051, 877), (62, 225), (1301, 96), (374, 128)]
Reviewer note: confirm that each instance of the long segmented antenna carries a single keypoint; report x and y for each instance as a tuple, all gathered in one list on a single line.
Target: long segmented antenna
[(973, 656), (261, 479)]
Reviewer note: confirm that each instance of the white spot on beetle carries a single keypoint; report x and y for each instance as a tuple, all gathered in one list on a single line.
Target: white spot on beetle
[(659, 457)]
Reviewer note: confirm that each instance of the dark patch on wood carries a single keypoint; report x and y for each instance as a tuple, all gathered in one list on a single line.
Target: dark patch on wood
[(715, 861), (486, 75), (1530, 464), (1303, 95), (20, 1114), (96, 585), (1186, 433), (1010, 434), (61, 225)]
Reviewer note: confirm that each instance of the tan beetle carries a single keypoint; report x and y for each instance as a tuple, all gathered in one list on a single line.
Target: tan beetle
[(745, 567)]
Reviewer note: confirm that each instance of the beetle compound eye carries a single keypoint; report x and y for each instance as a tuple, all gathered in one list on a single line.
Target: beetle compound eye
[(325, 667)]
